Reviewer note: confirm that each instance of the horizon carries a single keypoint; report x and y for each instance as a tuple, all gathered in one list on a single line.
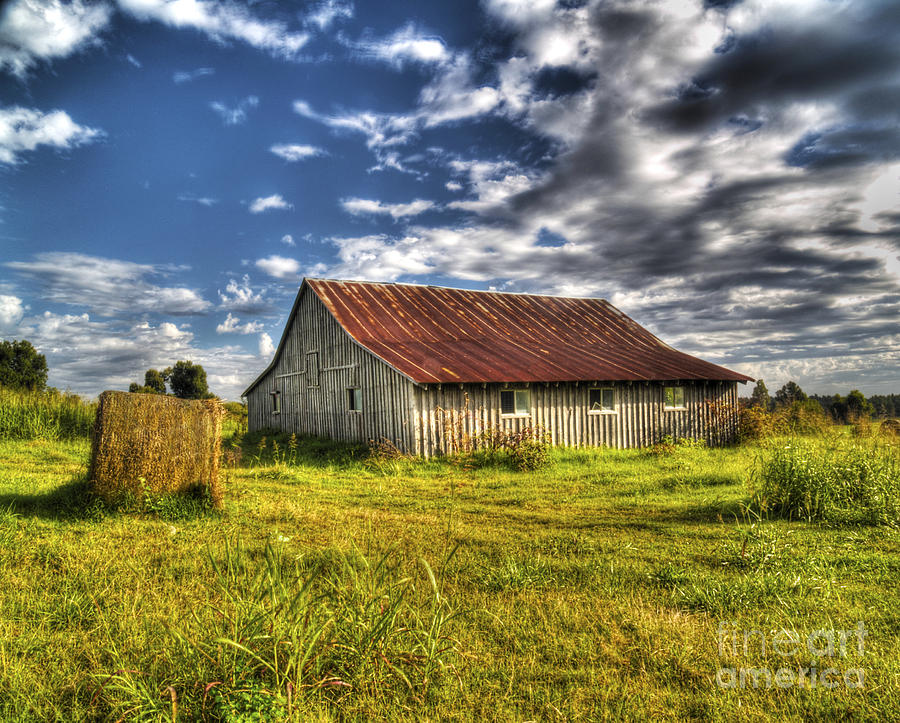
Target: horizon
[(717, 170)]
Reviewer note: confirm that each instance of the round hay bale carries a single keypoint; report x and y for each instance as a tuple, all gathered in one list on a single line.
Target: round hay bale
[(155, 444)]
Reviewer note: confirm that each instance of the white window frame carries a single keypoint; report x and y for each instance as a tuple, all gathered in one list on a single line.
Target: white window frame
[(675, 407), (517, 410), (354, 400), (603, 410), (276, 401)]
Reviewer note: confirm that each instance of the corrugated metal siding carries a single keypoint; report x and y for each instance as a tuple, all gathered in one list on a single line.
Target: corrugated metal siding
[(434, 334), (323, 411), (445, 412)]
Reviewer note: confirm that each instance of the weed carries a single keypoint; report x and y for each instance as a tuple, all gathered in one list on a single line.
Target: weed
[(837, 481)]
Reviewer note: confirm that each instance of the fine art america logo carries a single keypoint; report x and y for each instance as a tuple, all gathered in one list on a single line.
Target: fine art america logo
[(820, 658)]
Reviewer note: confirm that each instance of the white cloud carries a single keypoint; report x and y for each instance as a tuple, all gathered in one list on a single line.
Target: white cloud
[(325, 13), (24, 129), (451, 96), (268, 203), (362, 206), (296, 151), (11, 311), (232, 325), (453, 186), (279, 266), (134, 61), (240, 296), (288, 240), (32, 31), (408, 44), (238, 114), (266, 347), (107, 287), (380, 258), (221, 22), (88, 356), (202, 200), (186, 76)]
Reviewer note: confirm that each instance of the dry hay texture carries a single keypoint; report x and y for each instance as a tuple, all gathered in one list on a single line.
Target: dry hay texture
[(148, 443)]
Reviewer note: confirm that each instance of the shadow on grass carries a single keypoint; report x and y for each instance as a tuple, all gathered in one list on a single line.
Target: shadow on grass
[(70, 501)]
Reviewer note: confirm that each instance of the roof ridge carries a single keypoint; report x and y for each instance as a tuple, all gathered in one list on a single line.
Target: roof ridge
[(452, 288)]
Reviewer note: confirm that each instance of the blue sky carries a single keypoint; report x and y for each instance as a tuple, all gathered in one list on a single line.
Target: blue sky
[(727, 173)]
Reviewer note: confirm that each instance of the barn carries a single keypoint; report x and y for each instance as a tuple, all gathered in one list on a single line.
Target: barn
[(425, 366)]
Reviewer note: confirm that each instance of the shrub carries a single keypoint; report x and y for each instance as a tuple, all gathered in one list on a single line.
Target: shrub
[(806, 417), (525, 450), (842, 482)]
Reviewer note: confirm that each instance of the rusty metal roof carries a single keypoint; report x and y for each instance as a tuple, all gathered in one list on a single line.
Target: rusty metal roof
[(437, 335)]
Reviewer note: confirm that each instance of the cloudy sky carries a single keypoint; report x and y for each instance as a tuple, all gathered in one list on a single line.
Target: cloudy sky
[(726, 172)]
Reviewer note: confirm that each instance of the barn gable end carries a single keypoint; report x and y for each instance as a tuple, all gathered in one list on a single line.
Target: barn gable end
[(306, 388)]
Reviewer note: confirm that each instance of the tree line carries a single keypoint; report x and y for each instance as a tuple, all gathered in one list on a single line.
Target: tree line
[(842, 409)]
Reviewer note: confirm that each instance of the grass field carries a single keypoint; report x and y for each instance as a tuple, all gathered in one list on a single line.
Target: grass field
[(596, 588)]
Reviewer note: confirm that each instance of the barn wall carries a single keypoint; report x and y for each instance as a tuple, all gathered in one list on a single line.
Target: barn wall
[(322, 410), (444, 414)]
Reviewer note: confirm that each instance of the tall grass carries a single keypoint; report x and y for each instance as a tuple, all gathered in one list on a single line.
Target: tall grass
[(324, 628), (836, 480), (44, 415)]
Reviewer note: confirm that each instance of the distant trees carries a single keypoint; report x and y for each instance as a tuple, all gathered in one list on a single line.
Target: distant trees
[(760, 396), (186, 380), (21, 367), (842, 409), (790, 393)]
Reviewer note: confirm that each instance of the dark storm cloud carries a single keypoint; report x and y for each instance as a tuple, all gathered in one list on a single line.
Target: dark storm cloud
[(777, 65)]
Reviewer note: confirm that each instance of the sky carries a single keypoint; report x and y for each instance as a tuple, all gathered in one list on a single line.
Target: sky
[(726, 172)]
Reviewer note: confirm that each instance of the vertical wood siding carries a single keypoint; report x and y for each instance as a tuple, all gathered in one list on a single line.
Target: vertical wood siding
[(323, 410), (446, 414)]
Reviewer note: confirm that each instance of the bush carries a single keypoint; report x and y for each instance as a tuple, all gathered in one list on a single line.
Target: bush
[(843, 482), (806, 417), (525, 450)]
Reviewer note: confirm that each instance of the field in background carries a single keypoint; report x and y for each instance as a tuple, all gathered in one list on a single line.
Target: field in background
[(593, 588)]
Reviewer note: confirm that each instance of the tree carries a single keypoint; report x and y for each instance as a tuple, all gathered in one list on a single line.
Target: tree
[(858, 407), (21, 367), (760, 396), (154, 379), (154, 383), (788, 394), (187, 380)]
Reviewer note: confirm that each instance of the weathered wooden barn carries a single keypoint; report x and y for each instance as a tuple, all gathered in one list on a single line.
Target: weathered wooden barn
[(425, 366)]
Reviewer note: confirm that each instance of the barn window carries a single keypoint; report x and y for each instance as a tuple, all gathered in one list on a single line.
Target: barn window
[(276, 402), (354, 400), (674, 398), (312, 369), (515, 402), (601, 400)]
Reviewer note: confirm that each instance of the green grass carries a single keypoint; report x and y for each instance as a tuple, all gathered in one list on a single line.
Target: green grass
[(44, 415), (332, 587)]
